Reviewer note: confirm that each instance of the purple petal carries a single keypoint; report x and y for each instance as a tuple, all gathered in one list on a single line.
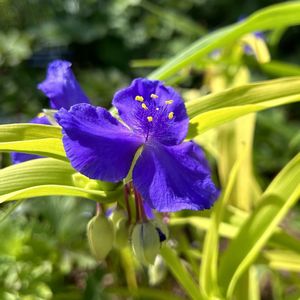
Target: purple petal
[(18, 157), (61, 86), (174, 178), (148, 211), (97, 145), (168, 122)]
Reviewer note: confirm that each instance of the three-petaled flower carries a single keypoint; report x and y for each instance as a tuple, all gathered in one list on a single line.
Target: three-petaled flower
[(169, 174)]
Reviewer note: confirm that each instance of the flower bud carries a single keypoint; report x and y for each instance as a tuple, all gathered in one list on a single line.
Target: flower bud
[(117, 215), (145, 242), (100, 234), (121, 234)]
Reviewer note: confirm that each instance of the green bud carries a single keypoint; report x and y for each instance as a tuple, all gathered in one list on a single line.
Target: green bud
[(121, 231), (145, 242), (117, 215), (100, 234)]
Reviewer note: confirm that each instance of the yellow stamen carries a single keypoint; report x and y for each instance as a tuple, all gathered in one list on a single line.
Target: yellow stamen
[(40, 115), (139, 98), (171, 115), (150, 119), (153, 96), (169, 101), (144, 106)]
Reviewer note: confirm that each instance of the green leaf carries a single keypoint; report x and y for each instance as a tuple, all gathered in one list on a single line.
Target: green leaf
[(225, 230), (43, 177), (236, 139), (275, 16), (254, 284), (37, 139), (251, 93), (143, 293), (208, 270), (22, 132), (178, 270), (217, 117), (43, 147), (283, 260), (280, 196), (216, 109), (281, 69)]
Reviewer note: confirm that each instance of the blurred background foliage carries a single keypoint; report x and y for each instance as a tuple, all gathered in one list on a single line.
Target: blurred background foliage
[(45, 252)]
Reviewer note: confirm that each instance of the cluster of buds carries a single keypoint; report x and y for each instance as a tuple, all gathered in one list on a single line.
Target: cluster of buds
[(120, 229)]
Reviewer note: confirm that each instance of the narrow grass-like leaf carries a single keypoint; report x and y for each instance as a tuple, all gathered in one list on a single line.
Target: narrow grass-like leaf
[(214, 118), (280, 196), (49, 147), (58, 190), (251, 93), (283, 260), (225, 230), (22, 132), (208, 270), (275, 16), (281, 69), (37, 139), (180, 273), (43, 177), (236, 139), (143, 293), (253, 284)]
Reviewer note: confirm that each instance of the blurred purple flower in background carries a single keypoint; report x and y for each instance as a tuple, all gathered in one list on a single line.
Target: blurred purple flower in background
[(62, 89)]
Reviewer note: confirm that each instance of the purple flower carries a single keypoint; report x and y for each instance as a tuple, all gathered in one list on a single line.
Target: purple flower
[(63, 90), (61, 86), (170, 175)]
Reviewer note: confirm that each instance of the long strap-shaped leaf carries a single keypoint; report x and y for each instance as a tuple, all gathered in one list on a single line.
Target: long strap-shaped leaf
[(251, 93), (280, 196), (208, 270), (37, 139), (275, 16), (44, 177), (184, 278), (214, 118), (24, 131)]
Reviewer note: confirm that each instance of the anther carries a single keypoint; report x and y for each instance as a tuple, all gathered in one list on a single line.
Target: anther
[(40, 115), (169, 101), (157, 108), (139, 98), (153, 96), (171, 115), (144, 106), (150, 119)]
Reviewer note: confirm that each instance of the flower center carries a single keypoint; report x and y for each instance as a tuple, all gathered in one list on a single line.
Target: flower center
[(154, 115)]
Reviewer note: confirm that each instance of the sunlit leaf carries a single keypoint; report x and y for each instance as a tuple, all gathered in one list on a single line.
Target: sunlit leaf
[(275, 16), (44, 177), (280, 196), (208, 270), (179, 271), (37, 139), (285, 260)]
